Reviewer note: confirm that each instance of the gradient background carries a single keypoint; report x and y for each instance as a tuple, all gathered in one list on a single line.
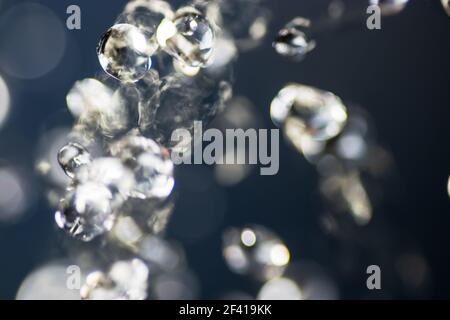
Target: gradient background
[(400, 75)]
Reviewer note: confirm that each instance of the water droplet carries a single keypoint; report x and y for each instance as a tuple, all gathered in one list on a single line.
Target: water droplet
[(71, 157), (125, 52), (389, 7), (126, 280), (255, 251), (188, 38), (151, 165), (280, 289), (293, 40), (305, 113), (111, 173), (86, 211)]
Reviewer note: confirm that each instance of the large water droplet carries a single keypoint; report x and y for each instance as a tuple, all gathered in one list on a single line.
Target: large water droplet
[(71, 157), (125, 52)]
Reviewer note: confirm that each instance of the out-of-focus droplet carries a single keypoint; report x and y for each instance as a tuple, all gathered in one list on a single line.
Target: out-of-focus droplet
[(280, 289), (346, 192), (225, 52), (389, 7), (245, 20), (448, 186), (71, 157), (4, 101), (88, 95), (255, 251), (161, 254), (126, 280), (306, 113), (349, 149), (48, 282), (146, 15), (33, 40), (151, 164), (125, 52), (180, 285), (446, 5), (189, 37), (14, 197), (126, 231), (86, 211), (336, 9), (413, 270), (111, 173), (293, 40)]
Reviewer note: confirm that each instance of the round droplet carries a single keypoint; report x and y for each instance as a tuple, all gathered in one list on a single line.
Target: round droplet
[(389, 7), (126, 280), (125, 52), (146, 15), (305, 113), (71, 157), (111, 173), (151, 164), (293, 40), (188, 38), (255, 251), (86, 211)]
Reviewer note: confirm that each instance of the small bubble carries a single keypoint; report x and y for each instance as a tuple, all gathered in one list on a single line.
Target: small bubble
[(293, 41), (71, 157)]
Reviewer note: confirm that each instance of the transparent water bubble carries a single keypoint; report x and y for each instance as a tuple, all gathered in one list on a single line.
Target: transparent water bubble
[(125, 52), (126, 280), (15, 195), (446, 5), (161, 254), (389, 7), (255, 251), (306, 113), (293, 41), (86, 212), (188, 38), (71, 157), (151, 165)]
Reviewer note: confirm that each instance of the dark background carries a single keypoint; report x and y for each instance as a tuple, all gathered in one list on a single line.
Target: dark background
[(399, 74)]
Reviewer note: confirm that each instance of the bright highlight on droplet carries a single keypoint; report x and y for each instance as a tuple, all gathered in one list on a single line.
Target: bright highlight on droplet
[(248, 238), (4, 102)]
